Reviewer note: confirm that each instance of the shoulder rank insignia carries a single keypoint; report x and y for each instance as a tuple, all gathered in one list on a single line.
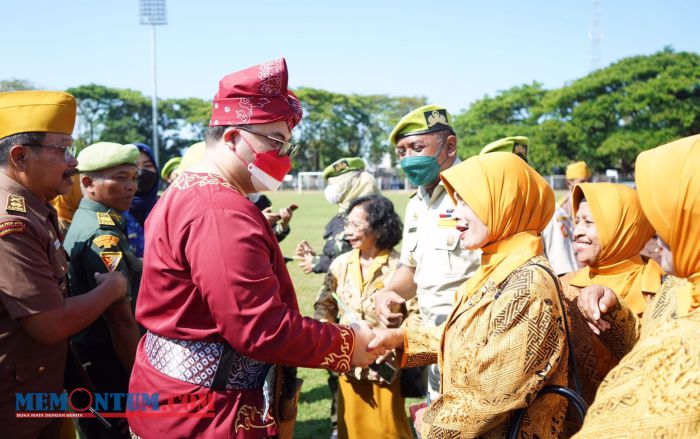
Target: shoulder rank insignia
[(105, 241), (104, 219), (15, 203), (13, 226), (111, 259)]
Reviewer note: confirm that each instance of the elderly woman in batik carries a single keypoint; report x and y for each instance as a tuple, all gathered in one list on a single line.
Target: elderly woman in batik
[(655, 389), (504, 340), (369, 405)]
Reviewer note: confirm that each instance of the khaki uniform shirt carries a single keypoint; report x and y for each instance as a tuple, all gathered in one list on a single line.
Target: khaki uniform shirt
[(431, 246), (32, 280)]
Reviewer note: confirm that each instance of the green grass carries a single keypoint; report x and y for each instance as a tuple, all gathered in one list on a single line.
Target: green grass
[(309, 221)]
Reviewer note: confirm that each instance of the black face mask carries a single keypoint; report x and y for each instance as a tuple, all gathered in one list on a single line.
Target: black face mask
[(146, 180)]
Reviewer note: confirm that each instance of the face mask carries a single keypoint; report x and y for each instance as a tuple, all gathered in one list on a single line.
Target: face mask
[(333, 194), (422, 170), (145, 181), (254, 197), (267, 170)]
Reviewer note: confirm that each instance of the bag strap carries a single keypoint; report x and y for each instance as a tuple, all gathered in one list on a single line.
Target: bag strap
[(572, 358), (573, 396)]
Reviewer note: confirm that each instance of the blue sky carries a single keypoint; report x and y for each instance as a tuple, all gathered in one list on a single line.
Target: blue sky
[(453, 52)]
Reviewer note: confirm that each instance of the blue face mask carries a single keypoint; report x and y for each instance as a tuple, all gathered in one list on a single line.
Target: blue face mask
[(422, 170)]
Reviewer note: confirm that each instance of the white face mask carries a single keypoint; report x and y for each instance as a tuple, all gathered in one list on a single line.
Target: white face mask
[(261, 180), (333, 194), (253, 197)]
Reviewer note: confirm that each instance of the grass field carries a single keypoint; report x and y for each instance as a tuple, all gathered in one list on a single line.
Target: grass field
[(308, 223)]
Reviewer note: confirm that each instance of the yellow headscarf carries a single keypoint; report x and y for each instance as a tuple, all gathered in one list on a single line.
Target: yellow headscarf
[(514, 202), (668, 181), (623, 231), (67, 204)]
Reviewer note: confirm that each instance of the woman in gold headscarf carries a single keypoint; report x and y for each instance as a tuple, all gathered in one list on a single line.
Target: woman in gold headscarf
[(610, 231), (655, 390), (504, 340)]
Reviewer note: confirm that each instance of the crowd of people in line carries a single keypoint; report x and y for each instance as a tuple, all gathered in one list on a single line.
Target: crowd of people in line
[(511, 314)]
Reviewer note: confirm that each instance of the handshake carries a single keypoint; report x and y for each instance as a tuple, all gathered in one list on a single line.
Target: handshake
[(373, 343)]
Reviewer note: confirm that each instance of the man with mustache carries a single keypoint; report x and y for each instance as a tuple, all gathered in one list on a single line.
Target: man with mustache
[(97, 242), (36, 317)]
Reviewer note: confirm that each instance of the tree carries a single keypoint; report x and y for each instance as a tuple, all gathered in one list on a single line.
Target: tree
[(14, 84)]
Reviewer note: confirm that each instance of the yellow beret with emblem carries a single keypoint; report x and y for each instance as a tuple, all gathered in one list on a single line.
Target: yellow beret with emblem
[(423, 120), (105, 155), (36, 111), (578, 170)]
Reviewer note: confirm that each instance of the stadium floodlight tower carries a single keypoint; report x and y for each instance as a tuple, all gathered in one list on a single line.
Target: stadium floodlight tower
[(152, 13)]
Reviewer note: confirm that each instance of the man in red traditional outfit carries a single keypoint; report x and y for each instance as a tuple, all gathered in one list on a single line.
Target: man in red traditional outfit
[(215, 296)]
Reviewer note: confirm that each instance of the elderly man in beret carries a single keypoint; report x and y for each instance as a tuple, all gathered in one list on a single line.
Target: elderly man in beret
[(216, 298), (433, 264), (36, 317), (97, 242)]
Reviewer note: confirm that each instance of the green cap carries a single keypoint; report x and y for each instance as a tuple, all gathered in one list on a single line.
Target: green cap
[(423, 120), (341, 166), (515, 144), (105, 155), (169, 167)]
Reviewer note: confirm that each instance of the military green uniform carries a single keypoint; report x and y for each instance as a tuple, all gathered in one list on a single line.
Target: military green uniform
[(97, 242)]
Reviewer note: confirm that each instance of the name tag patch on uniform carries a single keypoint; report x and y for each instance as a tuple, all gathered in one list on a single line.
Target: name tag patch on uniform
[(111, 259), (447, 223), (104, 219), (106, 241), (14, 226), (15, 203)]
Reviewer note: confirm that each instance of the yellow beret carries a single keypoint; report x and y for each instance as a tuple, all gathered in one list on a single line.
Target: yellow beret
[(192, 156), (36, 111), (105, 155), (423, 120), (577, 171)]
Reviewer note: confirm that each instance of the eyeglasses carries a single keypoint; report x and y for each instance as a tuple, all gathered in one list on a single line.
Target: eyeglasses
[(355, 226), (68, 151), (285, 148)]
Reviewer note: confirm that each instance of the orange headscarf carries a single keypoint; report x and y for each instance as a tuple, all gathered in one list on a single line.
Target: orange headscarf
[(67, 204), (623, 231), (668, 180), (514, 202)]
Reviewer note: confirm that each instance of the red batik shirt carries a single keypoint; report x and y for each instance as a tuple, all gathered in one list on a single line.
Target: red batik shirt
[(213, 271)]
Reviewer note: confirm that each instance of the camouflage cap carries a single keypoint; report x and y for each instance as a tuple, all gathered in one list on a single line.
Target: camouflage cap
[(423, 120), (341, 166)]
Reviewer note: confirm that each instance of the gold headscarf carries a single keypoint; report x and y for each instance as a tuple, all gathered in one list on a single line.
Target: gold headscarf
[(668, 181), (514, 202), (623, 231)]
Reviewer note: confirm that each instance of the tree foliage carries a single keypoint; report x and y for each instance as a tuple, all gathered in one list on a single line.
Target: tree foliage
[(605, 118)]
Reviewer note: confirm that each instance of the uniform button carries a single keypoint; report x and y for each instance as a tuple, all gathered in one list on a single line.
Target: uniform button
[(41, 369)]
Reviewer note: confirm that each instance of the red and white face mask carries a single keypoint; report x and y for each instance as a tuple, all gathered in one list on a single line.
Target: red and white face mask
[(267, 171)]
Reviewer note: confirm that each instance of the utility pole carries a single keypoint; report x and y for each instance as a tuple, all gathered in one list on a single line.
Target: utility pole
[(152, 13)]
